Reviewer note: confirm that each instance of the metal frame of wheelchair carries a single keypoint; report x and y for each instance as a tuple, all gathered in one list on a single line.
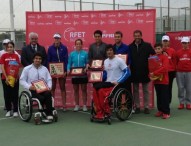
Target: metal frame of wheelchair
[(25, 109), (121, 103)]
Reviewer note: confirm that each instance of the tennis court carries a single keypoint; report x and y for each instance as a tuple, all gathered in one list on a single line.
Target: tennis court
[(75, 129)]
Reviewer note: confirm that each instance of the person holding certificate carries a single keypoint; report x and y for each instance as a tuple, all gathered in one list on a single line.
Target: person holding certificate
[(58, 53), (115, 71), (79, 59), (10, 64), (35, 73), (122, 48)]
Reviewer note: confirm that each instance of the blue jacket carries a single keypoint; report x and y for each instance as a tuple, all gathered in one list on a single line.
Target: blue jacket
[(77, 59), (123, 49), (61, 56)]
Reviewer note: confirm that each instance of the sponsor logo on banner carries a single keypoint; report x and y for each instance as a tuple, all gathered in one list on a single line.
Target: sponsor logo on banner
[(39, 16), (31, 17), (71, 35), (49, 23), (49, 16), (140, 21), (31, 23), (93, 16), (112, 22), (85, 16), (120, 15), (76, 16), (139, 15), (148, 14), (129, 21), (103, 15), (149, 21), (58, 22), (130, 14), (107, 35), (75, 23), (102, 22), (66, 16), (40, 23), (111, 15), (85, 22), (58, 16)]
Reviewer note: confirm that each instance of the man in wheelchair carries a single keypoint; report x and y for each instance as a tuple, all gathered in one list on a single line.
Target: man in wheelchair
[(115, 72), (34, 72)]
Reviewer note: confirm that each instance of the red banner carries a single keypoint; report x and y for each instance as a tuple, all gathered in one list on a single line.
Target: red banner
[(175, 38), (82, 24)]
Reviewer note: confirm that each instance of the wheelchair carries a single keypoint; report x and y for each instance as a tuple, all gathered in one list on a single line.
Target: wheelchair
[(26, 106), (120, 102)]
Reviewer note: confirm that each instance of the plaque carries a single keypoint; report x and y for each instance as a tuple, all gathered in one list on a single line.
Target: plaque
[(56, 69), (97, 64), (40, 86), (76, 71), (122, 56), (95, 76)]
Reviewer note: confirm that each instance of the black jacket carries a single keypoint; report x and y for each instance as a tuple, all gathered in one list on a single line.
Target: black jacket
[(139, 62), (28, 52)]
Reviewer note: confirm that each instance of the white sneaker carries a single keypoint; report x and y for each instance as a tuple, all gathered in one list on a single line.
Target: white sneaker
[(85, 108), (15, 114), (8, 114), (49, 117), (76, 108)]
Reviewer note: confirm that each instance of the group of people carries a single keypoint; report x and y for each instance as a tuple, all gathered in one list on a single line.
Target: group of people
[(132, 73)]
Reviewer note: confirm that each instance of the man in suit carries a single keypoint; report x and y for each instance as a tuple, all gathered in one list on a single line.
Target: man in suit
[(29, 50)]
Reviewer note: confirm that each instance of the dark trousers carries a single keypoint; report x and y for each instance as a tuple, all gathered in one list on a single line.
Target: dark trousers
[(11, 96), (3, 84), (127, 84), (45, 98), (171, 75), (162, 98)]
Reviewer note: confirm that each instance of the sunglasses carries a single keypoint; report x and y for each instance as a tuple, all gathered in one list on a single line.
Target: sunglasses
[(184, 43)]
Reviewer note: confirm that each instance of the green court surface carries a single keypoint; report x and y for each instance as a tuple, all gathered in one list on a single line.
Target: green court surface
[(75, 129)]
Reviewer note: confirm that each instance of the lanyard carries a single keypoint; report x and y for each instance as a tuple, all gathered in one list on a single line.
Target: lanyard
[(58, 54)]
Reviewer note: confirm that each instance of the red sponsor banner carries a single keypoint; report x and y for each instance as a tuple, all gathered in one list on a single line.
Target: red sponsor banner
[(175, 38), (82, 24)]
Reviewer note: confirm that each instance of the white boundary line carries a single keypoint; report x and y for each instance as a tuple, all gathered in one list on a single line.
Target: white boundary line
[(137, 123), (151, 126)]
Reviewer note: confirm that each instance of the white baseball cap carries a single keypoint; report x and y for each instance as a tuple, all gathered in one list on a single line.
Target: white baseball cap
[(165, 37), (185, 40), (56, 35), (5, 41)]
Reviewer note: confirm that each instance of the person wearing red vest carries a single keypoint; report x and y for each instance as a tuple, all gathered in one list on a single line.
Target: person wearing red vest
[(171, 54), (183, 75), (161, 85)]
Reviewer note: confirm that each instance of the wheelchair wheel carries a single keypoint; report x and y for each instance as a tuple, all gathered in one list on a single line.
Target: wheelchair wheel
[(92, 112), (123, 104), (25, 106)]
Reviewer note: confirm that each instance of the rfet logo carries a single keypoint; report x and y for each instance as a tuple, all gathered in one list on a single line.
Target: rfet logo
[(70, 34)]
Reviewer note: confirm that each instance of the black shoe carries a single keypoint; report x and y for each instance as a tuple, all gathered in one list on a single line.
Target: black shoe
[(137, 110), (146, 111)]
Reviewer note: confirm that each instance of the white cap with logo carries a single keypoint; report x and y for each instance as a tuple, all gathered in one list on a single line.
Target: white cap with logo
[(56, 35), (165, 37), (185, 40), (5, 41)]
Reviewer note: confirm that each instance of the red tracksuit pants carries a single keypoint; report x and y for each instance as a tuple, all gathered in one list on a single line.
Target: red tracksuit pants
[(101, 105)]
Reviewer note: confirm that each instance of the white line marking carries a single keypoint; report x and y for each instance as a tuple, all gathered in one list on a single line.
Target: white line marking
[(156, 127), (5, 118), (161, 128)]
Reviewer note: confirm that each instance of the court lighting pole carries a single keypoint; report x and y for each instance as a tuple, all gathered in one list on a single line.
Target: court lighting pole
[(143, 4), (113, 4), (12, 20), (40, 5)]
